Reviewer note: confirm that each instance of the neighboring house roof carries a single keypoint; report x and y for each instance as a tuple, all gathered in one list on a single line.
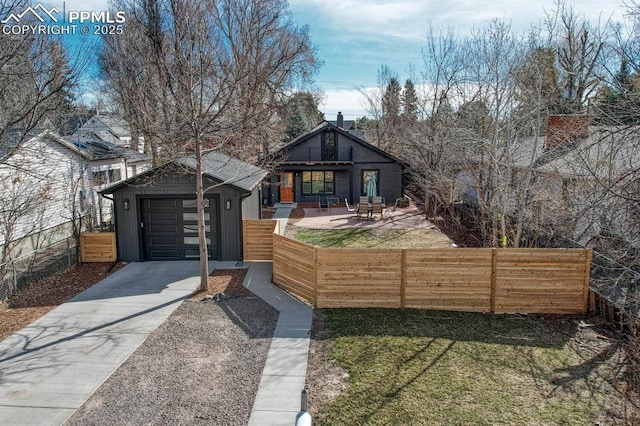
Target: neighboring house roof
[(604, 150), (350, 126), (327, 125), (67, 124), (221, 167), (105, 128), (91, 150)]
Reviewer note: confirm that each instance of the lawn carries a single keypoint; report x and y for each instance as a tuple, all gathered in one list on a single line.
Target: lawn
[(426, 367), (372, 238)]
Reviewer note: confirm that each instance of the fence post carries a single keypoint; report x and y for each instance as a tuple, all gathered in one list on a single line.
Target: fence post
[(68, 253), (403, 277), (587, 277), (493, 279), (315, 277), (15, 276)]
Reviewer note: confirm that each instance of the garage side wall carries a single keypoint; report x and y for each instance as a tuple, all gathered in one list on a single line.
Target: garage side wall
[(128, 230)]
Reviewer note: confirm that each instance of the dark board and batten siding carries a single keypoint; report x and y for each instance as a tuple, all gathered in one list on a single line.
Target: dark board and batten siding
[(129, 233)]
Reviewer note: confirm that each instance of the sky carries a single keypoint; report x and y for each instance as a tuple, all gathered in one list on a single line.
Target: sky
[(354, 38)]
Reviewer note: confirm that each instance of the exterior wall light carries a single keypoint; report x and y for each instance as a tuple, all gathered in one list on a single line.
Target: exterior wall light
[(228, 204), (126, 204)]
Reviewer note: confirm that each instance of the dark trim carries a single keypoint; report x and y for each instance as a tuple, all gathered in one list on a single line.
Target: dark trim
[(327, 125)]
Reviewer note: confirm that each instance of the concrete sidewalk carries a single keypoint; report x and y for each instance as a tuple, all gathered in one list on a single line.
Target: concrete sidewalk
[(49, 368), (283, 377)]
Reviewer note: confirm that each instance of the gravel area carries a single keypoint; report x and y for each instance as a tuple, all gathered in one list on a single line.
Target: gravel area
[(201, 366)]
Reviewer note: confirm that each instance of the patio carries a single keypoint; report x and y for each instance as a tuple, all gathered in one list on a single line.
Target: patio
[(339, 218)]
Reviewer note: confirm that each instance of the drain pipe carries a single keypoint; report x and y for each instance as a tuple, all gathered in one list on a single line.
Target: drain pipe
[(303, 418)]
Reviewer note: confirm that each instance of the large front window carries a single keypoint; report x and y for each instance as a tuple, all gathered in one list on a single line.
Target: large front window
[(317, 183)]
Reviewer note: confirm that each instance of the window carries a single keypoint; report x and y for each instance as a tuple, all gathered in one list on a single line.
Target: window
[(99, 178), (103, 177), (329, 145), (366, 177), (317, 183), (114, 175)]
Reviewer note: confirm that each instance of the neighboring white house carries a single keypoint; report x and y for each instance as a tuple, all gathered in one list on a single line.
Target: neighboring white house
[(48, 182), (106, 128)]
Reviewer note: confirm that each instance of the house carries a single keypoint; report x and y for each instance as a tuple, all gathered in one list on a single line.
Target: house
[(331, 161), (47, 185), (156, 210), (571, 167), (106, 128)]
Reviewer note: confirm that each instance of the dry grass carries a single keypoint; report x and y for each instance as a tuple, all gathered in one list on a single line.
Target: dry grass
[(371, 238), (424, 367), (39, 297)]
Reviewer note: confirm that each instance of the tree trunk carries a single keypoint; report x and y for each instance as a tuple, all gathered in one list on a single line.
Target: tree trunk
[(202, 238)]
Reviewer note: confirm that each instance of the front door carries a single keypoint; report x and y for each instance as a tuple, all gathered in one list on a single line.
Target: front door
[(286, 187)]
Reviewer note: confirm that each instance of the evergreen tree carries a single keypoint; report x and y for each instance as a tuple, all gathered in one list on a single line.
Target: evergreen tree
[(391, 100), (296, 124), (410, 101)]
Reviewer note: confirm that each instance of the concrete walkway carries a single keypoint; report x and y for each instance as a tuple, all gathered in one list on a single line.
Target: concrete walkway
[(49, 368), (283, 378), (282, 214)]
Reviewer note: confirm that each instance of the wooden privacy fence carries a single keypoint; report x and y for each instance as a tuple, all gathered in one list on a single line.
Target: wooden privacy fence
[(257, 241), (98, 247), (480, 280)]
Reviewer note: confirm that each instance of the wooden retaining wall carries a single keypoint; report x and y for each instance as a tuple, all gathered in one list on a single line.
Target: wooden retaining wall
[(98, 247), (257, 241)]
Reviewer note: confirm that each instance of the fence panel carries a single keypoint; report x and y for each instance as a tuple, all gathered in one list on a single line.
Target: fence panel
[(30, 267), (541, 280), (294, 267), (258, 239), (448, 279), (359, 278), (98, 247)]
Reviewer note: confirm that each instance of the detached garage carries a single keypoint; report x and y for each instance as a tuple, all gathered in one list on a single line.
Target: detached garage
[(155, 212)]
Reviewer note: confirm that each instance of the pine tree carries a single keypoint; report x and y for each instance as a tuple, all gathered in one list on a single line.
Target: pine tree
[(410, 101)]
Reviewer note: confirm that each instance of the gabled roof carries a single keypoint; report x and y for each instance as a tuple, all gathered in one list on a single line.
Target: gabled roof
[(218, 166), (327, 125), (616, 148)]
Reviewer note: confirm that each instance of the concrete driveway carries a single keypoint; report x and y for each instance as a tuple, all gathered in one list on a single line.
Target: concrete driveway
[(49, 368)]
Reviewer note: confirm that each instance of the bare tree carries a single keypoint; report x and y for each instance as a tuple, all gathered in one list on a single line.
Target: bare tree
[(212, 71)]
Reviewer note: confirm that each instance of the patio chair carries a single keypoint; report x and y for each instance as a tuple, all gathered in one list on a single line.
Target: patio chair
[(363, 209), (377, 207), (349, 208), (323, 203)]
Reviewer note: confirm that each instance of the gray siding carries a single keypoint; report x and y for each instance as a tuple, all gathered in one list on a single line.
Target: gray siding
[(348, 177), (128, 231), (252, 205)]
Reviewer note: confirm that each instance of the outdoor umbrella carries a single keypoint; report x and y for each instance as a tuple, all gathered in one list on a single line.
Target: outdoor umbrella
[(371, 186)]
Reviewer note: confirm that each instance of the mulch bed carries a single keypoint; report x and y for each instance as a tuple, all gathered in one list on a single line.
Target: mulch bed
[(226, 281), (39, 297)]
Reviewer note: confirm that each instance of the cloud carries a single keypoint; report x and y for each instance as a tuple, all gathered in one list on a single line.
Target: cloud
[(351, 102)]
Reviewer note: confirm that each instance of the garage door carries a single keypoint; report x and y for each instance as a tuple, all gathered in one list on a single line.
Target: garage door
[(170, 229)]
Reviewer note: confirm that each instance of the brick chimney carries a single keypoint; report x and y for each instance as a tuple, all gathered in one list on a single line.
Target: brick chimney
[(340, 121), (566, 129)]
